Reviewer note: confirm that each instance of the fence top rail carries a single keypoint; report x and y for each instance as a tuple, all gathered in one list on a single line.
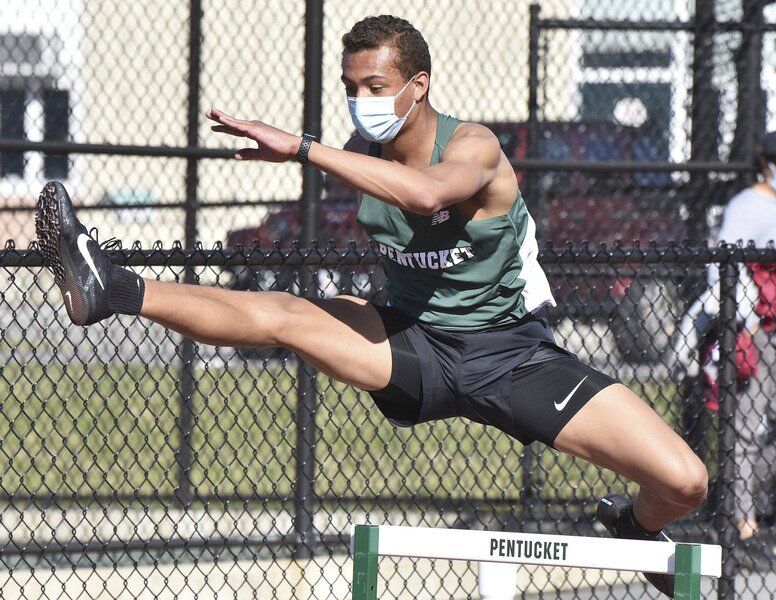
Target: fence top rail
[(536, 549), (605, 166), (199, 152), (61, 148), (707, 26), (331, 256)]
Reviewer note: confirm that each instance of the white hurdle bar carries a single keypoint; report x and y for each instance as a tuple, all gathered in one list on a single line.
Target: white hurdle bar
[(687, 561)]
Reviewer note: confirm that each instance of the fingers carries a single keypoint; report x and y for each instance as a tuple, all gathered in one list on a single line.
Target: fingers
[(235, 127), (228, 129), (247, 154), (221, 117), (214, 114)]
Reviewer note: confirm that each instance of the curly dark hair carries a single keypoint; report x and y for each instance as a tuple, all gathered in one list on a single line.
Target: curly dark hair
[(766, 153), (387, 30)]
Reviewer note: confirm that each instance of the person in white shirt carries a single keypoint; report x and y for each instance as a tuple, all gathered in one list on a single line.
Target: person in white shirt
[(750, 216)]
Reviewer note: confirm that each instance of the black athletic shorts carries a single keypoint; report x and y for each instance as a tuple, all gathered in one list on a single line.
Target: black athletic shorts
[(513, 377)]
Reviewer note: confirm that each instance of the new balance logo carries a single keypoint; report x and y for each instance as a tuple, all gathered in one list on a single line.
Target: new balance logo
[(440, 217)]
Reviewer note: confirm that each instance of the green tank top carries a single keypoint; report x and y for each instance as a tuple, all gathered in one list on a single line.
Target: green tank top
[(451, 272)]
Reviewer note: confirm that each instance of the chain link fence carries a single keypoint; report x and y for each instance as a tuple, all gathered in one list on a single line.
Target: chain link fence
[(135, 463), (678, 87), (118, 481), (109, 98)]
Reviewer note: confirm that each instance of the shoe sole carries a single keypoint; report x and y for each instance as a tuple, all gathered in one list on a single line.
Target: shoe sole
[(48, 230)]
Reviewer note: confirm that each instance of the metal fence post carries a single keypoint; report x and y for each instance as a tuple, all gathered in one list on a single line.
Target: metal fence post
[(703, 133), (532, 130), (312, 186), (750, 117), (724, 522), (187, 386), (529, 457)]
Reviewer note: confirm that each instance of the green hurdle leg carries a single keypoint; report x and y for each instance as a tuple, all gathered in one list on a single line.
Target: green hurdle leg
[(687, 579), (365, 562)]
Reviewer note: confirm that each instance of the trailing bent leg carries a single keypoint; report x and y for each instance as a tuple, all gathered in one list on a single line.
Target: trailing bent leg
[(618, 431)]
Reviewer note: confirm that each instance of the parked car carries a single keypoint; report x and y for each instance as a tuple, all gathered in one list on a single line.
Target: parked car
[(604, 207), (337, 223)]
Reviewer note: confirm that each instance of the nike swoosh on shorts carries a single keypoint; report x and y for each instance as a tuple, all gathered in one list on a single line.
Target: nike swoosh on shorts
[(559, 406)]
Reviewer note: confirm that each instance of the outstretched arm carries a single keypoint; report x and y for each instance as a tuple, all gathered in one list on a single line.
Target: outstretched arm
[(468, 163)]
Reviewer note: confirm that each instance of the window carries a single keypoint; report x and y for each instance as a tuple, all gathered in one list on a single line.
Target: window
[(613, 59), (637, 79), (15, 123), (56, 122), (12, 109)]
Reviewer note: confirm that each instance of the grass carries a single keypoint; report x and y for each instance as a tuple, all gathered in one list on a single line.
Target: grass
[(105, 428)]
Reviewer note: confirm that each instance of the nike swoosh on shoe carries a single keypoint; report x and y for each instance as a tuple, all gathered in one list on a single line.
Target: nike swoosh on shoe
[(82, 242)]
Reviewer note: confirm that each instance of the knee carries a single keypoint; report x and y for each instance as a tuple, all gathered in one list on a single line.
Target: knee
[(689, 483), (275, 319)]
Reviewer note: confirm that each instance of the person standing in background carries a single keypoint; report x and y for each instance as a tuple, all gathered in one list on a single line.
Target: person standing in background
[(750, 216)]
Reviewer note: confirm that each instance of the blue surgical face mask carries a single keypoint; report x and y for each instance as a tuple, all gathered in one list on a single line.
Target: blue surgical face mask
[(375, 118)]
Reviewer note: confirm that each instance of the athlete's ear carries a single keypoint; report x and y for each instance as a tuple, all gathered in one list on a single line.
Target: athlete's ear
[(421, 85)]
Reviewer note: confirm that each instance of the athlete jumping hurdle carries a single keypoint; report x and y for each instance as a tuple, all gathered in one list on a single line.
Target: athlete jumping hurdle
[(463, 334)]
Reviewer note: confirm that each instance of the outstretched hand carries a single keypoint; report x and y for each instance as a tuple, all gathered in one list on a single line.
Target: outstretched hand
[(274, 145)]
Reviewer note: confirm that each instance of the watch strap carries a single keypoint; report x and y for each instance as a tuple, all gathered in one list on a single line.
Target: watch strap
[(304, 148)]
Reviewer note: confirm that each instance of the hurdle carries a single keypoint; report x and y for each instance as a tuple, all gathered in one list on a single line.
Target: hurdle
[(688, 562)]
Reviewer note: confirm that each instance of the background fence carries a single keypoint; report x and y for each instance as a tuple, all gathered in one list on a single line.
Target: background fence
[(116, 476), (137, 463)]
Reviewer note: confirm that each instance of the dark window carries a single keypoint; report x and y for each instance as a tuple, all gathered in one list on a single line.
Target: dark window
[(56, 124), (650, 140), (12, 103), (626, 59)]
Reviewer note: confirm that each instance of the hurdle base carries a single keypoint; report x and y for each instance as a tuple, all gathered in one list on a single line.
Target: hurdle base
[(687, 572), (364, 543)]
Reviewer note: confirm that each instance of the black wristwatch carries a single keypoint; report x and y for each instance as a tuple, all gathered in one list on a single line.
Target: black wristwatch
[(304, 148)]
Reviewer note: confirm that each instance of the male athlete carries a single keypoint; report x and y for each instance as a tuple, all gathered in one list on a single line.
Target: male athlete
[(463, 333)]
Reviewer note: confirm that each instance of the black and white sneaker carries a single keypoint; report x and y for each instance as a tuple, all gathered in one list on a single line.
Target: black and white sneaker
[(81, 268), (615, 512)]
